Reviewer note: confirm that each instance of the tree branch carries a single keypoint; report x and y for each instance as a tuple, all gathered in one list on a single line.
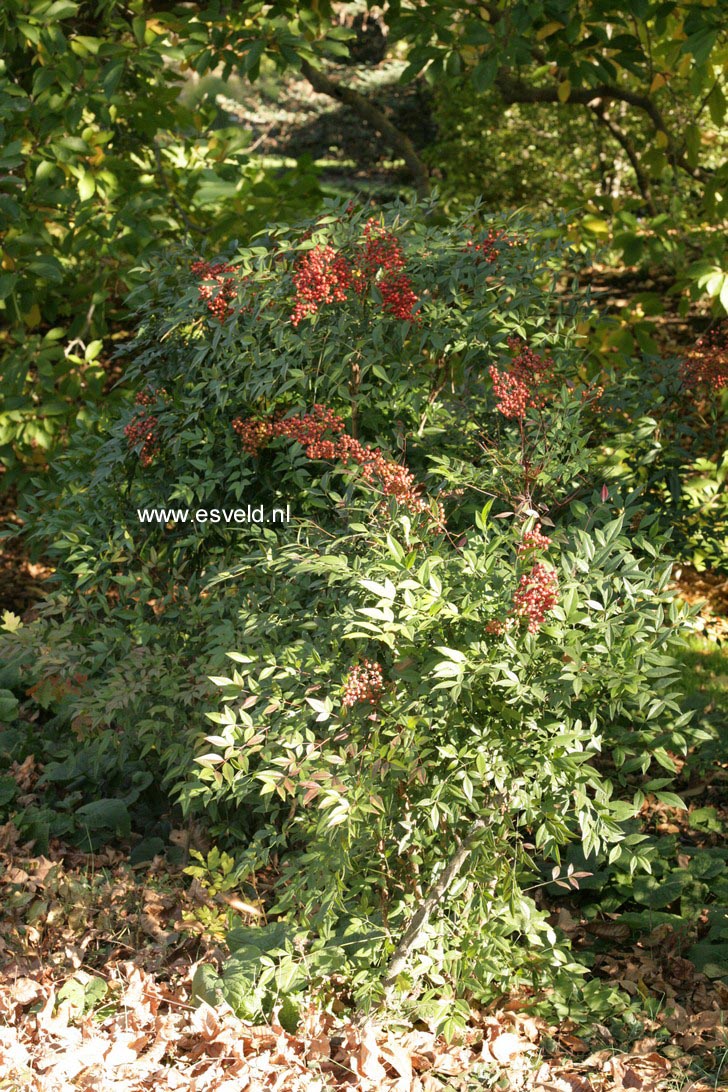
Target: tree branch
[(360, 104), (624, 141), (515, 90)]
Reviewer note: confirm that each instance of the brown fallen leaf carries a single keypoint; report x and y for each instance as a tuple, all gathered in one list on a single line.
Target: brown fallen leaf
[(24, 991), (125, 1049), (609, 930), (565, 1082), (366, 1061), (504, 1047), (242, 907), (393, 1054), (643, 1072), (574, 1044)]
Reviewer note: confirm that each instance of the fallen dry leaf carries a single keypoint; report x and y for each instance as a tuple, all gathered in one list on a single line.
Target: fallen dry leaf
[(507, 1046), (366, 1062), (395, 1055), (644, 1072), (565, 1082)]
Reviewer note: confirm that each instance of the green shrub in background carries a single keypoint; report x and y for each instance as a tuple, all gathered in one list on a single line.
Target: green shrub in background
[(666, 439), (512, 156), (454, 642), (101, 166)]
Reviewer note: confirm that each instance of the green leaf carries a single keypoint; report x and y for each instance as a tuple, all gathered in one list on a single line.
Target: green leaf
[(108, 813), (8, 705), (139, 26), (655, 893), (596, 225), (7, 284), (86, 186), (8, 786), (93, 349), (724, 293), (207, 986), (671, 799)]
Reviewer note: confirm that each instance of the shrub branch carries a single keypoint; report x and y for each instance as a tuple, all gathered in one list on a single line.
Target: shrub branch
[(516, 90), (436, 894)]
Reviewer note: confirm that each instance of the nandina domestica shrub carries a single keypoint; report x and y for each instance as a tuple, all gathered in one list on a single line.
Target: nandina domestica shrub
[(406, 696), (226, 370), (416, 672)]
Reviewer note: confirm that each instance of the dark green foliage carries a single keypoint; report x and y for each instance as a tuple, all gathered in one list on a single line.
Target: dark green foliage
[(666, 441), (101, 166)]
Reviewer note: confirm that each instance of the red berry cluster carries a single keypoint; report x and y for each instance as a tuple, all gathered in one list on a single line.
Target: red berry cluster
[(149, 396), (533, 540), (398, 297), (512, 394), (310, 431), (219, 286), (707, 364), (536, 595), (254, 434), (520, 388), (486, 249), (324, 275), (321, 276), (381, 250), (365, 682), (143, 427), (381, 257), (392, 478)]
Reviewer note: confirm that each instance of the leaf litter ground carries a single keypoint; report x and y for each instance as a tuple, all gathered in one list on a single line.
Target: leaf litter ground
[(95, 983)]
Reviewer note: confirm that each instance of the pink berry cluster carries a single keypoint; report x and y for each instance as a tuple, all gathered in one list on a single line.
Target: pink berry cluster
[(364, 683), (496, 628), (324, 275), (217, 286), (706, 366), (533, 540), (536, 594), (521, 387), (143, 429), (537, 591), (321, 434)]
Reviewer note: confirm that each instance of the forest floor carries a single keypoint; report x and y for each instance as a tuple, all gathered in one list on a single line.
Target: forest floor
[(97, 958)]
